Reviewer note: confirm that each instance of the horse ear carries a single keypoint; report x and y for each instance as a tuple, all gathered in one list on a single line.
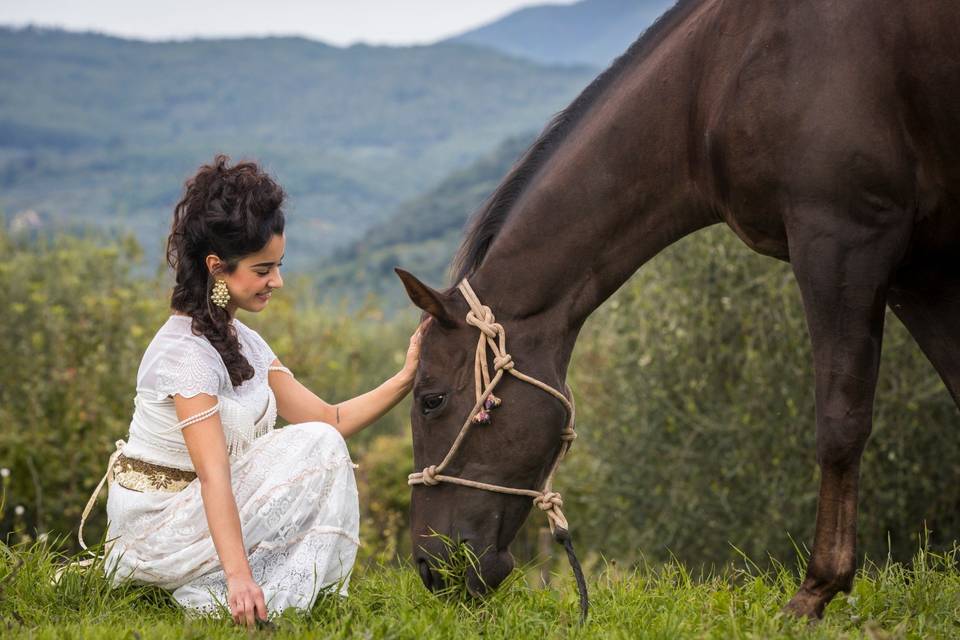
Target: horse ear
[(424, 297)]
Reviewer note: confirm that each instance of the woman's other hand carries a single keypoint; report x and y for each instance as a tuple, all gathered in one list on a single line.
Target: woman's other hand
[(245, 598), (413, 353)]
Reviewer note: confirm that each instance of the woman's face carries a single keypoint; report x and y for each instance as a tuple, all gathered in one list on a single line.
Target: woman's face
[(254, 278)]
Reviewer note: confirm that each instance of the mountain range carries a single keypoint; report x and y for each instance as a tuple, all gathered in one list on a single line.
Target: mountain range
[(591, 32), (384, 151), (102, 131)]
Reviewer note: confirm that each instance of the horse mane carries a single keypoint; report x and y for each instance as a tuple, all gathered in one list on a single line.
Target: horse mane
[(487, 221)]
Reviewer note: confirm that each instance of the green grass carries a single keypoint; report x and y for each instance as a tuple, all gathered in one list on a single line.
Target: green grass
[(387, 601)]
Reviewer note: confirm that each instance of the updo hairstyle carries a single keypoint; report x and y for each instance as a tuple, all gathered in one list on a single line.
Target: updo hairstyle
[(231, 212)]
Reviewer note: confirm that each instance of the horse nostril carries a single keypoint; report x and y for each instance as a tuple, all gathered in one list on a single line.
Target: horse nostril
[(425, 574)]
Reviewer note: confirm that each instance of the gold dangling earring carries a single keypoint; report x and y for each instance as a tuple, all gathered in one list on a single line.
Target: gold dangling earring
[(220, 295)]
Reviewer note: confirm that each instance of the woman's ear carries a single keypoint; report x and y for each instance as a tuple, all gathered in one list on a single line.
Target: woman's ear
[(430, 300), (213, 264)]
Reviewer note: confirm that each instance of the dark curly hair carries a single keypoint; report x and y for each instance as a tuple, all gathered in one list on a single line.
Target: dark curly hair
[(230, 212)]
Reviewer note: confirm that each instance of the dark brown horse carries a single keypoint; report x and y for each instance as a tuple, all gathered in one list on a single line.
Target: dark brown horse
[(825, 133)]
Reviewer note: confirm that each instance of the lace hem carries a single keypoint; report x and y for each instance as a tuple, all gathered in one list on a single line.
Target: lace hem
[(292, 574)]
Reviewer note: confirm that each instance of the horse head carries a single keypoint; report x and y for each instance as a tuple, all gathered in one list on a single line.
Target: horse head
[(482, 458)]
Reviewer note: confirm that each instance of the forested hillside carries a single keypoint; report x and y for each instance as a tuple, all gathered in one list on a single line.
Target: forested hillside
[(422, 236), (102, 130)]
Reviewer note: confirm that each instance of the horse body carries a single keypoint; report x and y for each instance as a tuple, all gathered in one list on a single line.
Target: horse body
[(823, 133), (834, 103)]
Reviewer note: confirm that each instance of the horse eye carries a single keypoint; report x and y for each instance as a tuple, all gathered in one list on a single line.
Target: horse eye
[(432, 402)]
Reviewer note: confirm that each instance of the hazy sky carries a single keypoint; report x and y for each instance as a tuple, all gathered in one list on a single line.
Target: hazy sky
[(335, 21)]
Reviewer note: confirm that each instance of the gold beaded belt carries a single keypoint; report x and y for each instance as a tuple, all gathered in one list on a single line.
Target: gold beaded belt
[(138, 475)]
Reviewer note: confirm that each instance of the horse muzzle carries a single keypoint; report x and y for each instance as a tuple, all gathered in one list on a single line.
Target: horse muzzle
[(491, 569)]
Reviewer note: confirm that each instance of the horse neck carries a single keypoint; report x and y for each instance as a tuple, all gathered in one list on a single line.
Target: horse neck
[(614, 193)]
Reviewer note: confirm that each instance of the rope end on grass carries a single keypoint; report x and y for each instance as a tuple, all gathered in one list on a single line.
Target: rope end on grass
[(562, 536)]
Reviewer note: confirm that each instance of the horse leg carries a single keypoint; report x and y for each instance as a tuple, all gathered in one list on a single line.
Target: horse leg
[(843, 268), (928, 303)]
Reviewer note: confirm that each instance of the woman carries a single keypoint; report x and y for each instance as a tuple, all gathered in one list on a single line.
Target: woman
[(206, 498)]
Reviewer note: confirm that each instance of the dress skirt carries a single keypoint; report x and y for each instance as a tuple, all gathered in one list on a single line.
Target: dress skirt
[(297, 498)]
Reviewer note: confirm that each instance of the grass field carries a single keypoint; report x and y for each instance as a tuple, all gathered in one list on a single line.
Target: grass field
[(889, 600)]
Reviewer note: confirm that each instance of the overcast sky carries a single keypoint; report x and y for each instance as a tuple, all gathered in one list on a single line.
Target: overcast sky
[(339, 22)]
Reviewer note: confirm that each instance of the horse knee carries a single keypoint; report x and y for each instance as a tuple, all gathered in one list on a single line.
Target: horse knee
[(841, 440)]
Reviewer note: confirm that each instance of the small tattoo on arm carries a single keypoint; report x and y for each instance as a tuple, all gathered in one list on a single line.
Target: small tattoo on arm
[(338, 414)]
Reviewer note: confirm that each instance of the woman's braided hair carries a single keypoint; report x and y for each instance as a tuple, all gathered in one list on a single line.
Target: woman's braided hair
[(230, 212)]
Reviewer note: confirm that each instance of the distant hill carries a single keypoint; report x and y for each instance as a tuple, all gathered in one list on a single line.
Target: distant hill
[(103, 130), (589, 32), (422, 236)]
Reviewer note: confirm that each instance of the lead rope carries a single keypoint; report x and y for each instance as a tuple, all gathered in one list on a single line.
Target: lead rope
[(492, 335)]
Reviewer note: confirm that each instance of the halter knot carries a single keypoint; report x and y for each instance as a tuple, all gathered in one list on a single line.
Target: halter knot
[(429, 475), (503, 362), (484, 323), (548, 501), (568, 435)]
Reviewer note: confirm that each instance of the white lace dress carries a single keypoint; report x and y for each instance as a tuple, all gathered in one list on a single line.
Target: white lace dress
[(295, 487)]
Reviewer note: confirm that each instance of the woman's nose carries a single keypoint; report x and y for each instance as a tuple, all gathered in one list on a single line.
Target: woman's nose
[(277, 282)]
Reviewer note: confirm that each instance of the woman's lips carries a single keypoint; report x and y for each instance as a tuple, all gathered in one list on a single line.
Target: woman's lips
[(264, 296)]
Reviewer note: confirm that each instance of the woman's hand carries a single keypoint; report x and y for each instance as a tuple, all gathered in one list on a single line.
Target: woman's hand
[(413, 353), (245, 599)]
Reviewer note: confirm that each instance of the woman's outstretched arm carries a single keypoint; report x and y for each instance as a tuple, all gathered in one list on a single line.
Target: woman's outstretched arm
[(207, 447), (297, 403)]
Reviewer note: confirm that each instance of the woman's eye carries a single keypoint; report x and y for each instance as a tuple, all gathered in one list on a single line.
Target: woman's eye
[(432, 402)]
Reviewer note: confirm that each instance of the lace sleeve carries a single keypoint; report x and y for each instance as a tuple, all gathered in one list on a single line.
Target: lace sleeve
[(269, 356), (263, 350), (189, 367)]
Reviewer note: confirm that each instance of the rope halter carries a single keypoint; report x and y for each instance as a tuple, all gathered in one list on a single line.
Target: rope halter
[(493, 336)]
